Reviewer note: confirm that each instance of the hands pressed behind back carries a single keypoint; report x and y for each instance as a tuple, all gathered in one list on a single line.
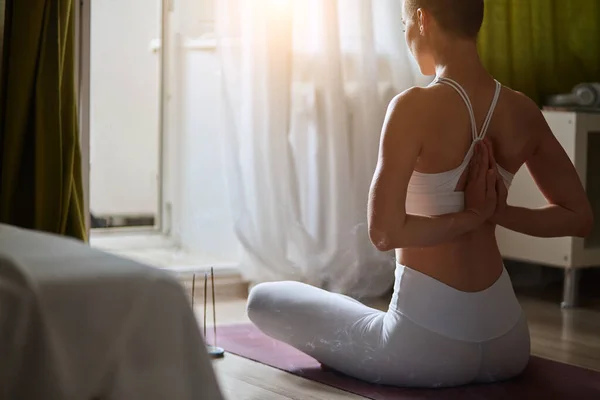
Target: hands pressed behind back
[(501, 189), (480, 189)]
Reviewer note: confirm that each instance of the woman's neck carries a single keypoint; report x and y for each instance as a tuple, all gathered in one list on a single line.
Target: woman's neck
[(459, 59)]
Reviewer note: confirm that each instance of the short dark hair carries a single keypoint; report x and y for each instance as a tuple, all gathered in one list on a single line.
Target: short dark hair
[(460, 17)]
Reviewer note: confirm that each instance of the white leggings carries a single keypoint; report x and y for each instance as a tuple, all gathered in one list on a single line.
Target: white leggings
[(431, 336)]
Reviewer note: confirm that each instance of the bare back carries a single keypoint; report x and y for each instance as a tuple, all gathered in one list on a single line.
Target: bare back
[(471, 262)]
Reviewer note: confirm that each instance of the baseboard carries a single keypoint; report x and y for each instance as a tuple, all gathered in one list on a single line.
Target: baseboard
[(115, 241)]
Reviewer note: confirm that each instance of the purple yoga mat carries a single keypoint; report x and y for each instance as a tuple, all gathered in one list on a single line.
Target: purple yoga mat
[(543, 379)]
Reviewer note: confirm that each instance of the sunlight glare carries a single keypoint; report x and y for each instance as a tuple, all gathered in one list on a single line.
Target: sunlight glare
[(280, 4)]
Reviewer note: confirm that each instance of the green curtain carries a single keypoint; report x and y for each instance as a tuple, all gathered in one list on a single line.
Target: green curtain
[(2, 5), (40, 160), (542, 47)]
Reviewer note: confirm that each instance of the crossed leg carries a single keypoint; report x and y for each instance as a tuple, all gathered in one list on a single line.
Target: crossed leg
[(338, 331)]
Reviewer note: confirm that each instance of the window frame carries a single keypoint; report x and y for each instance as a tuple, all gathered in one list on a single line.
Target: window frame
[(159, 234)]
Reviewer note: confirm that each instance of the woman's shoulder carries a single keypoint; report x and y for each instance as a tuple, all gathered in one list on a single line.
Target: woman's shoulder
[(525, 113), (408, 97), (406, 117), (416, 102), (519, 101)]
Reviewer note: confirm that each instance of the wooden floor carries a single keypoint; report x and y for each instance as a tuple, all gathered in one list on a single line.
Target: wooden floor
[(570, 336)]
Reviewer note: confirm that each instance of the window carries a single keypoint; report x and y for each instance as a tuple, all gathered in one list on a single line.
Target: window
[(146, 133)]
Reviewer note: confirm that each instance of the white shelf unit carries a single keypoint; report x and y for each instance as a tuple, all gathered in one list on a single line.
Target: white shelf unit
[(579, 134)]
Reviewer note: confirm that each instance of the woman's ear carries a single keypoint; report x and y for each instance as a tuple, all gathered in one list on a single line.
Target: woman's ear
[(421, 21)]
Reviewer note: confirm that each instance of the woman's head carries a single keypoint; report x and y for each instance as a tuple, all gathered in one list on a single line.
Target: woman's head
[(430, 24)]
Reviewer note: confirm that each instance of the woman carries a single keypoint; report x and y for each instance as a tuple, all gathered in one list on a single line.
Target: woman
[(447, 157)]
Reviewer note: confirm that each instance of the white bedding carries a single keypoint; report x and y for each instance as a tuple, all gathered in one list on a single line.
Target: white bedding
[(77, 323)]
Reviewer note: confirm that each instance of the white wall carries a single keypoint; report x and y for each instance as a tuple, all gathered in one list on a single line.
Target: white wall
[(124, 107)]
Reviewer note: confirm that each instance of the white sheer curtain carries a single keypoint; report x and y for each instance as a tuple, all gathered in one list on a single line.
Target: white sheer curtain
[(306, 84)]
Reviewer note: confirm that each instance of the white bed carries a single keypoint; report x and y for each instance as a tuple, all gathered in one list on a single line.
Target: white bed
[(77, 323)]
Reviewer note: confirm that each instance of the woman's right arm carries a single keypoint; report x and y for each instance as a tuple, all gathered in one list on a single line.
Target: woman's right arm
[(568, 212)]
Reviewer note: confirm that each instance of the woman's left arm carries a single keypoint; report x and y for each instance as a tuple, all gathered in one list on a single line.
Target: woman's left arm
[(389, 225)]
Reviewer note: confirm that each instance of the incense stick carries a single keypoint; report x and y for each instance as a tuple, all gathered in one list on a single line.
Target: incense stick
[(193, 289), (212, 278), (205, 290)]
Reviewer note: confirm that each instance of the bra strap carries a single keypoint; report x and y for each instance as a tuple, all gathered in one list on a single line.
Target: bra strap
[(490, 114), (463, 94)]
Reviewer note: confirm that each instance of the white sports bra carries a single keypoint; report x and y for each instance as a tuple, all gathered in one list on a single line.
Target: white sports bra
[(435, 194)]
